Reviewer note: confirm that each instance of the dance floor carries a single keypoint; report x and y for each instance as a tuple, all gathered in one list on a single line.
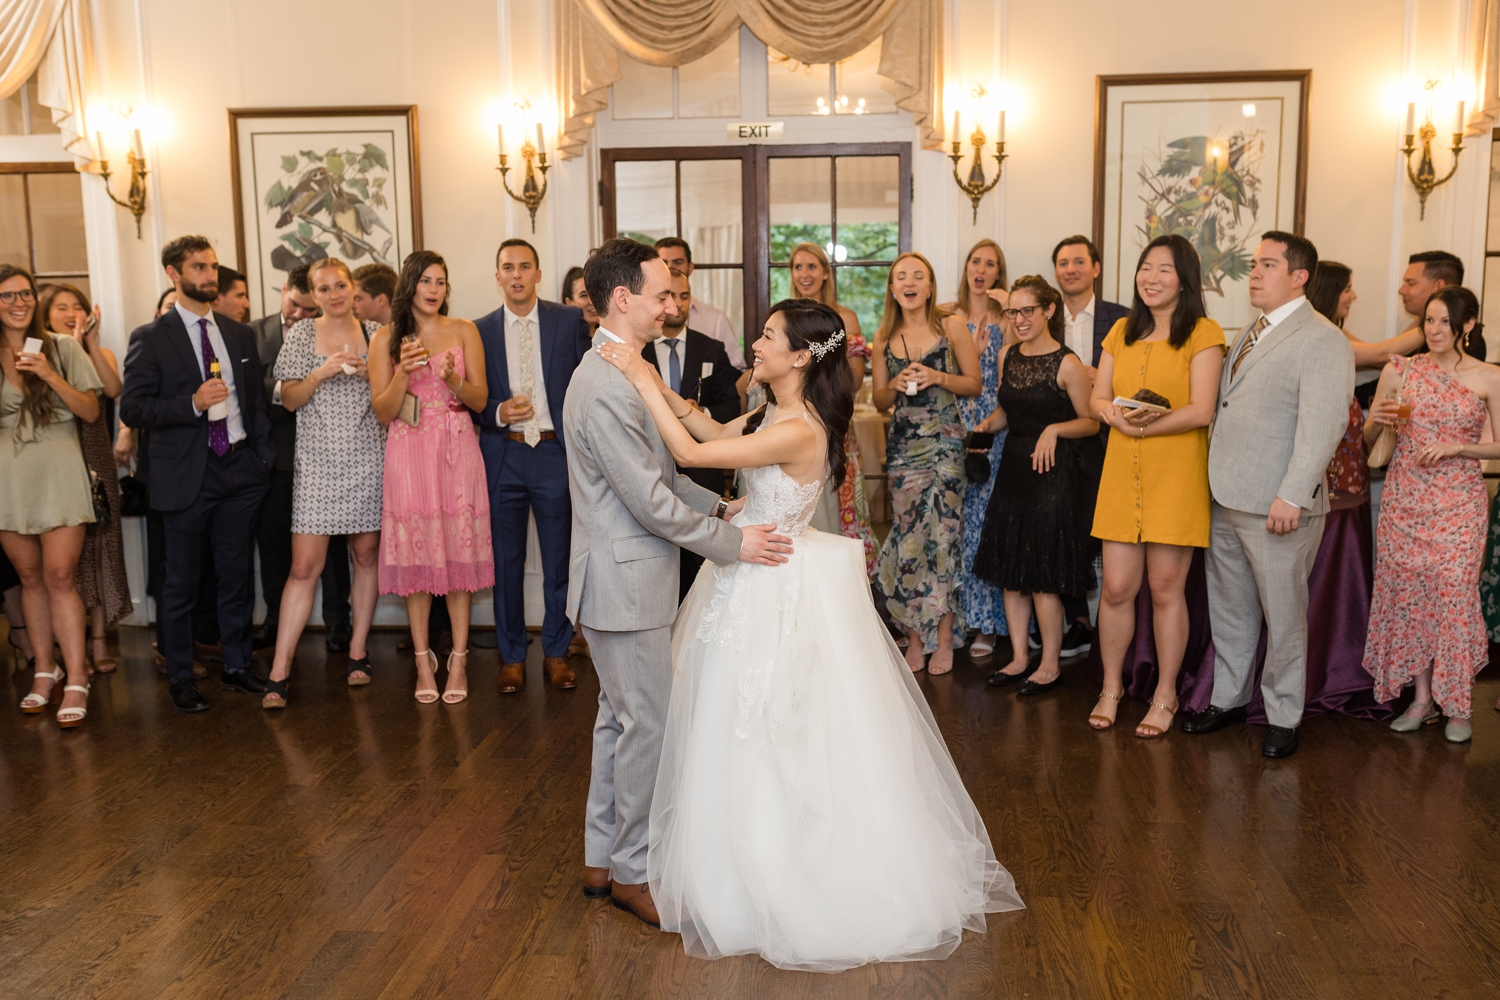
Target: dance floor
[(359, 845)]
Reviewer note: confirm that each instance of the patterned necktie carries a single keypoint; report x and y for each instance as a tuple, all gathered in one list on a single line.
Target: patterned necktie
[(674, 365), (218, 430), (528, 381), (1255, 332)]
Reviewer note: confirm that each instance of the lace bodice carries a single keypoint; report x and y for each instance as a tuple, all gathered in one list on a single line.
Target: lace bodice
[(773, 497)]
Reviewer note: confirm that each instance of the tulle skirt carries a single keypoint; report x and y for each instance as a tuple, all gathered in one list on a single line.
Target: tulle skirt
[(806, 807)]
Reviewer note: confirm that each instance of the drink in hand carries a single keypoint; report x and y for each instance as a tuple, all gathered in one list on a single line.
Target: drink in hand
[(220, 410)]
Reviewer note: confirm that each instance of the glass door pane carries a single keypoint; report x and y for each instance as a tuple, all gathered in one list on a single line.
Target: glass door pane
[(14, 246), (57, 222), (646, 199), (713, 210), (869, 207), (800, 200)]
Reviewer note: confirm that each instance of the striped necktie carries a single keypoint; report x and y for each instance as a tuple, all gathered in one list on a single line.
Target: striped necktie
[(1255, 332)]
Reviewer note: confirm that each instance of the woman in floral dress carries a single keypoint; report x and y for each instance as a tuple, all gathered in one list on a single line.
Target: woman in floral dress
[(1425, 621), (919, 367), (980, 309)]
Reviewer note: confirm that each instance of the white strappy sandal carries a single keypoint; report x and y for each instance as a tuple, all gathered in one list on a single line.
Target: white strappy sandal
[(427, 696), (455, 695), (72, 718), (34, 703)]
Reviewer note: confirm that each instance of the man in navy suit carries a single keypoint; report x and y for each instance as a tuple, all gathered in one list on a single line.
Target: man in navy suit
[(209, 467), (530, 350), (1087, 320)]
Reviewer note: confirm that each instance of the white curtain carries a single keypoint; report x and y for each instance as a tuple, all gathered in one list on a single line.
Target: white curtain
[(1483, 65), (51, 38)]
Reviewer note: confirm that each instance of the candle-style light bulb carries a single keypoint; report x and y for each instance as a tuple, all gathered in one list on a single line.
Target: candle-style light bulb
[(1411, 118), (1000, 131), (99, 145), (956, 133), (140, 150), (1458, 120), (540, 147), (500, 137)]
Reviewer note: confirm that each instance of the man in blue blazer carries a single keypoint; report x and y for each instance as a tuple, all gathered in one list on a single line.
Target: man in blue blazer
[(209, 467), (530, 351)]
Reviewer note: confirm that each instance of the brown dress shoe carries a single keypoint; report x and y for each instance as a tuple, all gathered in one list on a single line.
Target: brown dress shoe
[(579, 646), (558, 672), (512, 678), (635, 899), (595, 882), (199, 670)]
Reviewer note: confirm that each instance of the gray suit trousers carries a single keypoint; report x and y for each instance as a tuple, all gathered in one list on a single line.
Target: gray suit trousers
[(1255, 576), (635, 686)]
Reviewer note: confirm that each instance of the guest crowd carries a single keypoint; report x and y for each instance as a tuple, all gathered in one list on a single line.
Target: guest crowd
[(1214, 489)]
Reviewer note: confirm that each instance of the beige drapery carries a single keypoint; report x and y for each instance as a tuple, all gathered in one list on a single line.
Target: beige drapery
[(52, 39), (1483, 58), (592, 33)]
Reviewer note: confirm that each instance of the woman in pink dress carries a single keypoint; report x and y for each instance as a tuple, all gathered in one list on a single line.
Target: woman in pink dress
[(426, 373), (1425, 620)]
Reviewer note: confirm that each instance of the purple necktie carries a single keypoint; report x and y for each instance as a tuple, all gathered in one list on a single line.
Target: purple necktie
[(218, 430)]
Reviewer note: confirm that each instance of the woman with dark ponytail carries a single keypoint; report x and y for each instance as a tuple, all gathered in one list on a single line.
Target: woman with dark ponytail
[(794, 719)]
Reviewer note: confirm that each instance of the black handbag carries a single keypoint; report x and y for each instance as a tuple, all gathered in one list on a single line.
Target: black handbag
[(977, 458), (135, 500)]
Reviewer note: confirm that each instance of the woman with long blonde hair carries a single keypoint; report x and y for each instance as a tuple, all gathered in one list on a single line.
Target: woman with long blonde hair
[(845, 509), (920, 367)]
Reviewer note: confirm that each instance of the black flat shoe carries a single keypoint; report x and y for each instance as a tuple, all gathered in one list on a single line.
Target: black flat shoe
[(1030, 687), (1279, 742), (187, 697), (999, 678), (243, 681), (339, 637), (1212, 719), (1078, 640)]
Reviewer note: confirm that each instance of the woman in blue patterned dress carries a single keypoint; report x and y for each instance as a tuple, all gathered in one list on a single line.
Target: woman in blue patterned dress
[(980, 309), (919, 367)]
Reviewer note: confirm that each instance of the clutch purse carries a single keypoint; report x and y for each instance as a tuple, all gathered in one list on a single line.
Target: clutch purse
[(411, 410), (1385, 445), (135, 500)]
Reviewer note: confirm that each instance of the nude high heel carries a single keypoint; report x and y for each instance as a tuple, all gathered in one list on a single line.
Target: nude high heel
[(427, 696), (453, 696)]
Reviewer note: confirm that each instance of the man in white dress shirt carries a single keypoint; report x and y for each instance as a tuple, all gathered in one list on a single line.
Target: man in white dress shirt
[(704, 318)]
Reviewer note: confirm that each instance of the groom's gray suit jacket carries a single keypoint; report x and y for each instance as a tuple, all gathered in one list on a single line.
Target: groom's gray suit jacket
[(631, 509)]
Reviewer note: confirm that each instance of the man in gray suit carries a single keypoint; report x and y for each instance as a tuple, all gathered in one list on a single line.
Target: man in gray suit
[(631, 511), (1283, 406)]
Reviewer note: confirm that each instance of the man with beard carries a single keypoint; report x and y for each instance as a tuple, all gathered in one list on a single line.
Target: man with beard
[(193, 379)]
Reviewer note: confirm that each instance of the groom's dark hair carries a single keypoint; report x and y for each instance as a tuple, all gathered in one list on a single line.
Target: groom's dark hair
[(616, 262)]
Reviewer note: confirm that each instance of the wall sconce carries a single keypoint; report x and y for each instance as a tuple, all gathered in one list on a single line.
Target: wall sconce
[(976, 187), (136, 158), (1425, 178), (532, 193)]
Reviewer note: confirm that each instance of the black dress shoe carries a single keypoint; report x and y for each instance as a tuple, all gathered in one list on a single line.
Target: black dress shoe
[(999, 678), (187, 697), (1279, 742), (1212, 719), (1079, 639), (243, 681), (1029, 686), (340, 635), (264, 637)]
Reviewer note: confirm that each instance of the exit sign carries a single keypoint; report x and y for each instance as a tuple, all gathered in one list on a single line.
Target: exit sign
[(755, 131)]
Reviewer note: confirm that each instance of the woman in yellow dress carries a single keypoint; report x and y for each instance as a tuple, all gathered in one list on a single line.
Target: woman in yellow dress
[(1154, 504)]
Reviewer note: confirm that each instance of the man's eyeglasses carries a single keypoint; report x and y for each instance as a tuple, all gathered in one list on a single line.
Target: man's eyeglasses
[(1025, 312), (26, 295)]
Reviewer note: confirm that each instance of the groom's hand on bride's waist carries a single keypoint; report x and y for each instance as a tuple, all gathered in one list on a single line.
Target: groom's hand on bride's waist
[(762, 545)]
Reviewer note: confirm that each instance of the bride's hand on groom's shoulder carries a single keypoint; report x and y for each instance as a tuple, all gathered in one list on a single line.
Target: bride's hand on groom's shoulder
[(762, 545), (630, 363)]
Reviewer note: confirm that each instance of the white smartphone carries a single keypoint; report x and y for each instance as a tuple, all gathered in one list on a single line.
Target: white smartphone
[(33, 345)]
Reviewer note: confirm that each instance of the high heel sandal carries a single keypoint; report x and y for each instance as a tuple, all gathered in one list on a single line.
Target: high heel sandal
[(1104, 696), (103, 664), (460, 693), (359, 666), (34, 704), (427, 696), (72, 718), (275, 693), (1155, 732)]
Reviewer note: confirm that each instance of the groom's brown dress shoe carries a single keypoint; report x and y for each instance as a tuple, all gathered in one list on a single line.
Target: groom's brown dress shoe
[(559, 673), (635, 899), (595, 882), (512, 678)]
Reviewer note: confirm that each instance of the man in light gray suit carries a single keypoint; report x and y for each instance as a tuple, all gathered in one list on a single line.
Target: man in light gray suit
[(631, 512), (1283, 406)]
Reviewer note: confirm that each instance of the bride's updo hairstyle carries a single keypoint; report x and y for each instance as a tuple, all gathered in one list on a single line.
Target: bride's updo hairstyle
[(815, 327)]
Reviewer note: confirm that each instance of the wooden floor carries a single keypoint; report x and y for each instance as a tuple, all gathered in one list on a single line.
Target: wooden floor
[(358, 845)]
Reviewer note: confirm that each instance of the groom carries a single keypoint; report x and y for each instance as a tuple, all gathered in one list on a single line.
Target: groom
[(631, 511)]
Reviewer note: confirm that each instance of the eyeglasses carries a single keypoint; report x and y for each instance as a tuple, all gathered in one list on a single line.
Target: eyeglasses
[(25, 294), (1025, 312)]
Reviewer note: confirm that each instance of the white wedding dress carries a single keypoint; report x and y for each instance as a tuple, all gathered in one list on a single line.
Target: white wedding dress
[(806, 807)]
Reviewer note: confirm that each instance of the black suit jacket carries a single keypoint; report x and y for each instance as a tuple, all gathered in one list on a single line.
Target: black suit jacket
[(270, 334), (161, 375), (1106, 315), (716, 394), (565, 340)]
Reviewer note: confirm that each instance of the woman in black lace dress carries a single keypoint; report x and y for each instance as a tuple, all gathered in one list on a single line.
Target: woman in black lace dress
[(1035, 544)]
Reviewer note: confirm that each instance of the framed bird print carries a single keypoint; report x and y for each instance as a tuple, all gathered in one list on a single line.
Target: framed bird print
[(1218, 158), (322, 182)]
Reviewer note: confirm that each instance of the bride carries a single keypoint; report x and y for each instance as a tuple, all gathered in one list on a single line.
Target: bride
[(806, 808)]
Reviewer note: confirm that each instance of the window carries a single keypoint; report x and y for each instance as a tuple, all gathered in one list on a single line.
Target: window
[(705, 88), (23, 114), (41, 221), (743, 208), (848, 87)]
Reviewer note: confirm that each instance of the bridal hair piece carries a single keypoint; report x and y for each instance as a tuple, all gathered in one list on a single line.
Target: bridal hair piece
[(818, 350)]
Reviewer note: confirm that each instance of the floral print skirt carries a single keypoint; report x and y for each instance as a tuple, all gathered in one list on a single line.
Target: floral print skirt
[(921, 561)]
